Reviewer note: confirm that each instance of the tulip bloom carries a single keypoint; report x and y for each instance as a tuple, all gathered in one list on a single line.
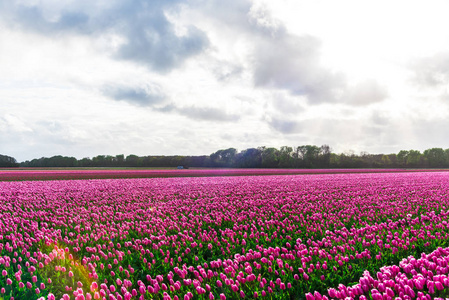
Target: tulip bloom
[(309, 296)]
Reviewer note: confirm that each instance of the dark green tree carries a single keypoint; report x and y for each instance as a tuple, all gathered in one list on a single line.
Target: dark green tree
[(415, 159), (436, 157), (286, 157), (402, 158), (270, 157), (249, 158), (309, 155), (8, 162), (223, 158), (325, 156)]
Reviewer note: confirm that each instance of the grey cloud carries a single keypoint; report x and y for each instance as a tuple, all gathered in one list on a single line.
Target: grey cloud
[(166, 108), (444, 97), (286, 105), (157, 46), (227, 71), (380, 118), (227, 136), (243, 16), (140, 96), (149, 37), (261, 20), (292, 63), (431, 133), (34, 18), (365, 92), (232, 13), (201, 113), (431, 71), (285, 126), (207, 113)]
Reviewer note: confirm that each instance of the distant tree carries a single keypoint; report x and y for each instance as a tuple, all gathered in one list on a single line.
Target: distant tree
[(334, 161), (301, 152), (249, 158), (436, 157), (223, 158), (85, 162), (99, 161), (147, 161), (402, 158), (119, 160), (348, 160), (386, 162), (8, 162), (109, 161), (310, 155), (325, 156), (228, 156), (369, 160), (286, 157), (393, 159), (132, 160), (196, 161), (54, 161), (270, 157), (61, 161), (415, 159)]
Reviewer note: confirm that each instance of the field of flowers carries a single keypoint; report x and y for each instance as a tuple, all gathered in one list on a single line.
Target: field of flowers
[(329, 236), (21, 174)]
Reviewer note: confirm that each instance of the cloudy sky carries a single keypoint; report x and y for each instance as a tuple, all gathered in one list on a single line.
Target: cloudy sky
[(82, 78)]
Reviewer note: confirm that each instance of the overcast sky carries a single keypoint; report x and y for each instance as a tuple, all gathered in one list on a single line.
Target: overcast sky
[(82, 78)]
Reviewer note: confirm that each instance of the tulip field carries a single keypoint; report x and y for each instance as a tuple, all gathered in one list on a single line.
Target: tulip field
[(311, 236), (21, 174)]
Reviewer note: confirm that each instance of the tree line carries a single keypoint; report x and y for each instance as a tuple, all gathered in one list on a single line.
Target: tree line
[(306, 156)]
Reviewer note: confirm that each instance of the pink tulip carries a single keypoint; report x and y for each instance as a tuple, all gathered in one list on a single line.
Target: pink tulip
[(309, 296)]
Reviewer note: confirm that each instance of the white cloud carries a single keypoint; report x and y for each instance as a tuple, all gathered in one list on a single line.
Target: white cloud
[(431, 71), (13, 124), (365, 92)]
